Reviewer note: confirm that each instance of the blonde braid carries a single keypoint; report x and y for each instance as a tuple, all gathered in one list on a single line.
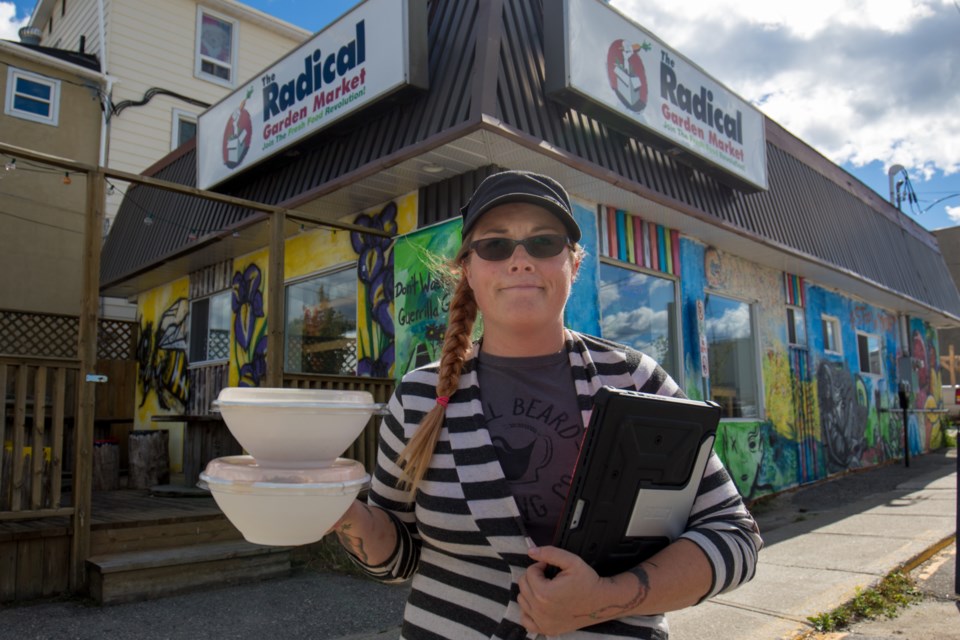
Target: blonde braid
[(415, 457)]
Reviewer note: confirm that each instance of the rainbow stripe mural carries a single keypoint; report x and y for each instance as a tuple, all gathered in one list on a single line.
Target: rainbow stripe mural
[(629, 238), (793, 289)]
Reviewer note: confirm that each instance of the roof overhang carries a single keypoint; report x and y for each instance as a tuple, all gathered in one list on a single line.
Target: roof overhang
[(491, 142)]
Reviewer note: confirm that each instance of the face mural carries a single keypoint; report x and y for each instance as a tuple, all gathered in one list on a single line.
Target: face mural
[(843, 416), (742, 449)]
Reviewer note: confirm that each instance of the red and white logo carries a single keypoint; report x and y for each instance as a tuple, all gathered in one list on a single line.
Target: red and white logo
[(626, 74), (237, 134)]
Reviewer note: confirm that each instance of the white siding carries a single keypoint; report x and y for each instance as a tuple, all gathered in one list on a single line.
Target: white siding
[(79, 19), (151, 44)]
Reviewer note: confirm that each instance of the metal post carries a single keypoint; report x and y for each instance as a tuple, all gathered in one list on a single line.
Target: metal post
[(906, 439), (903, 394)]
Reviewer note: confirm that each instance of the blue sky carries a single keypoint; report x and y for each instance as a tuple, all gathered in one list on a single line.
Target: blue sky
[(867, 84)]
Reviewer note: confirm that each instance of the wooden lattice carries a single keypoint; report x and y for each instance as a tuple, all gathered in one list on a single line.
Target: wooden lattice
[(116, 340), (39, 335), (47, 335)]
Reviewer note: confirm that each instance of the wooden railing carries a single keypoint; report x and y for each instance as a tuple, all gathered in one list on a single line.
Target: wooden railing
[(206, 381), (38, 411), (364, 448)]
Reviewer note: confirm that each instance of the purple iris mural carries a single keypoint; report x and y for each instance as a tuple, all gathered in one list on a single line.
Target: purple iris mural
[(375, 272), (250, 326)]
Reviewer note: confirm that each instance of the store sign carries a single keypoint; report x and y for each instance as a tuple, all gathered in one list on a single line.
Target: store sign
[(374, 50), (605, 65)]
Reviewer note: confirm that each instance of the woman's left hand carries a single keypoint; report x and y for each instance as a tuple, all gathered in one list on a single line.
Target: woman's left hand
[(565, 602)]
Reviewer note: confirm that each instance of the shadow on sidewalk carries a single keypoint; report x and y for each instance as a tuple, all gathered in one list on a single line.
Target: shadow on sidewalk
[(808, 508)]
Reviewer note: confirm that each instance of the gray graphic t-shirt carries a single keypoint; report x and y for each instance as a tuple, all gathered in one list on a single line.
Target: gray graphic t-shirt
[(530, 405)]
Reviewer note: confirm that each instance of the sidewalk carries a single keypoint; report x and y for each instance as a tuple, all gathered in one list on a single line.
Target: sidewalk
[(822, 542), (825, 541)]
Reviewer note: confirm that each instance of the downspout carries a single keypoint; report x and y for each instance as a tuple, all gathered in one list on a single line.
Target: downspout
[(105, 115)]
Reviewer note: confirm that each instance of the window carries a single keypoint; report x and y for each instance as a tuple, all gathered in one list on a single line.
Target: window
[(640, 310), (184, 128), (210, 328), (868, 352), (216, 47), (796, 328), (321, 324), (32, 97), (831, 334), (732, 354)]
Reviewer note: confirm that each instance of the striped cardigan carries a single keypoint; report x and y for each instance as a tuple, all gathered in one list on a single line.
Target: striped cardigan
[(462, 538)]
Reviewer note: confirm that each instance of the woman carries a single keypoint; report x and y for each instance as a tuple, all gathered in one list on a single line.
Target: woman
[(477, 451)]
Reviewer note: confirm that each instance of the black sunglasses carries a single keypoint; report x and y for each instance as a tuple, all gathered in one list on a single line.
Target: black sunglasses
[(496, 249)]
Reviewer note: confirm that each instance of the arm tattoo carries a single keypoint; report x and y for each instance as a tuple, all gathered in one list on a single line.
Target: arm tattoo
[(352, 543), (616, 610)]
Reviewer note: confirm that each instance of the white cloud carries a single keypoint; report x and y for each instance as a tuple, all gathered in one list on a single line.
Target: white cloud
[(627, 325), (858, 80), (734, 324), (9, 25), (953, 213)]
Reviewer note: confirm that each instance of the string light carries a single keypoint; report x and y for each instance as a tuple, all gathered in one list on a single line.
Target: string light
[(235, 234), (192, 235), (66, 178), (11, 165), (148, 220)]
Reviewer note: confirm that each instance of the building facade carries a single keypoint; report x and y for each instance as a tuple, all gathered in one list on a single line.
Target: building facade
[(166, 62), (52, 104), (760, 274)]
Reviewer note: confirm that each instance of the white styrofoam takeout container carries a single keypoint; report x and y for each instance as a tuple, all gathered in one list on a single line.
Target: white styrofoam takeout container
[(295, 428), (283, 506)]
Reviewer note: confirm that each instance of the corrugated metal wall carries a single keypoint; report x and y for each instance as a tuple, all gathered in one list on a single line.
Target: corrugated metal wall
[(442, 200)]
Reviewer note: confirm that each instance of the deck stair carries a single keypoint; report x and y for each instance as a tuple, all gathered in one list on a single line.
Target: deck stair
[(148, 545), (150, 573)]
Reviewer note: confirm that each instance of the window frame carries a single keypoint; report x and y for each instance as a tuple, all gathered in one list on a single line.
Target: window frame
[(792, 326), (835, 321), (869, 371), (13, 74), (199, 58), (753, 307), (179, 115), (349, 267), (228, 294), (676, 328)]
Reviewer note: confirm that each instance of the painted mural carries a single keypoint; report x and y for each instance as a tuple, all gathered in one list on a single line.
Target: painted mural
[(248, 331), (422, 297), (162, 384), (926, 429), (375, 333), (249, 340), (582, 312)]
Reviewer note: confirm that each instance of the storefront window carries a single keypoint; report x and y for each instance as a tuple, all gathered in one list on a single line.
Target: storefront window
[(321, 324), (732, 354), (210, 328), (640, 310)]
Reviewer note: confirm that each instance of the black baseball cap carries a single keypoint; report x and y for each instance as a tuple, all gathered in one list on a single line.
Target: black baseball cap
[(520, 186)]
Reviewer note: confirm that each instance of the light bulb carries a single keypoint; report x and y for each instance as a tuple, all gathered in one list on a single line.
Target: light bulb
[(66, 178)]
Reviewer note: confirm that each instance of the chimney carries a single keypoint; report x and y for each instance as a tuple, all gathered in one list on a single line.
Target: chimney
[(30, 35), (83, 44)]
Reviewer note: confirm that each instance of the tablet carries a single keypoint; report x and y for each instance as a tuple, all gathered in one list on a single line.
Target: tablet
[(636, 477)]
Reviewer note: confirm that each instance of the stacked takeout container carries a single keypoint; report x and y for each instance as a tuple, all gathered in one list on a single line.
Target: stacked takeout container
[(293, 486)]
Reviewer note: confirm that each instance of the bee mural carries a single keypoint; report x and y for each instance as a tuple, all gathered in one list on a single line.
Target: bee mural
[(162, 358)]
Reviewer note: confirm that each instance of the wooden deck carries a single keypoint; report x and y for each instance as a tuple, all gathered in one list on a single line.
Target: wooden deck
[(119, 509)]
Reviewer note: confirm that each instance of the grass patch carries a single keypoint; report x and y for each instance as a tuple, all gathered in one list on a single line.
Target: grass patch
[(894, 592)]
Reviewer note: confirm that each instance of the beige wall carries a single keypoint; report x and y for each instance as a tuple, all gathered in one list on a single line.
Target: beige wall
[(41, 217)]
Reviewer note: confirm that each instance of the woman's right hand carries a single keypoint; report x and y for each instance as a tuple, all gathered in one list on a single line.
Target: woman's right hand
[(366, 532)]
